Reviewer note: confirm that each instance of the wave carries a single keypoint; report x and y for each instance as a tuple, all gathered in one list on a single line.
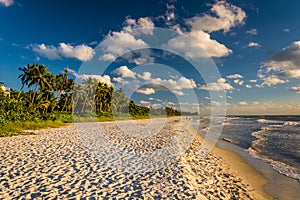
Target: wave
[(226, 123), (281, 167), (291, 123), (283, 123), (268, 121)]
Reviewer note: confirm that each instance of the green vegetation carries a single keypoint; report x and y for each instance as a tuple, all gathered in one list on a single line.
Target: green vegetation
[(49, 100)]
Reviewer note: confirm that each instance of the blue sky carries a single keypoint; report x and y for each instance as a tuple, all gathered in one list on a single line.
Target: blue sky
[(254, 44)]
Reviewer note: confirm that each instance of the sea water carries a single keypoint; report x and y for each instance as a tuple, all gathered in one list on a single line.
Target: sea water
[(273, 139)]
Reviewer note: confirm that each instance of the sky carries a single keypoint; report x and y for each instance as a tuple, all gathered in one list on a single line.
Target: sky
[(253, 45)]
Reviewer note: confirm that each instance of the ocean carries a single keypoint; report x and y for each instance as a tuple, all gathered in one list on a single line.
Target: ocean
[(273, 139)]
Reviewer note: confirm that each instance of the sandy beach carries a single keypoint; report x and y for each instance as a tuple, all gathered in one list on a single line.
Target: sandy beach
[(58, 164)]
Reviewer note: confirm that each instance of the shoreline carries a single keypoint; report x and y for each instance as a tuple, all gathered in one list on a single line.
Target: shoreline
[(34, 165), (252, 178), (279, 185)]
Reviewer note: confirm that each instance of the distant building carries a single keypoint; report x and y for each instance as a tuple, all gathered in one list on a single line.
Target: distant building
[(6, 90)]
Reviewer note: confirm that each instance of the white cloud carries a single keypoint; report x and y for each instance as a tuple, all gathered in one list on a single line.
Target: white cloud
[(293, 73), (174, 85), (108, 57), (273, 80), (117, 79), (80, 52), (124, 72), (229, 97), (201, 45), (243, 103), (238, 82), (269, 108), (104, 79), (252, 81), (221, 84), (296, 89), (169, 103), (145, 102), (146, 91), (286, 59), (252, 31), (179, 93), (50, 51), (118, 43), (248, 86), (235, 76), (144, 24), (253, 44), (226, 16), (285, 64), (153, 99), (145, 76), (223, 16), (6, 3), (212, 47), (286, 30)]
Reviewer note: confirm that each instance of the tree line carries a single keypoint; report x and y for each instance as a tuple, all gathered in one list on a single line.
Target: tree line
[(42, 94)]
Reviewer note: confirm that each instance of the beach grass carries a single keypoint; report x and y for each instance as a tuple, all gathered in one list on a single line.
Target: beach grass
[(18, 128)]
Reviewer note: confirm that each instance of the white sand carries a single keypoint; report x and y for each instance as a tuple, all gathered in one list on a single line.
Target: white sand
[(59, 163)]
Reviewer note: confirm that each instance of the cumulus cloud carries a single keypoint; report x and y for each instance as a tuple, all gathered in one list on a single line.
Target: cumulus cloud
[(286, 59), (285, 64), (223, 16), (80, 77), (226, 16), (201, 45), (124, 72), (117, 43), (248, 86), (117, 79), (154, 99), (293, 73), (253, 44), (49, 51), (243, 103), (145, 102), (146, 91), (80, 52), (145, 76), (221, 84), (235, 76), (273, 80), (268, 108), (296, 89), (144, 24), (171, 84), (238, 82), (252, 31), (6, 3), (151, 84), (179, 93)]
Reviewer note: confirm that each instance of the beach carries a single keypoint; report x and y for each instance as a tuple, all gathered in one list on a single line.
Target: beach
[(61, 163)]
